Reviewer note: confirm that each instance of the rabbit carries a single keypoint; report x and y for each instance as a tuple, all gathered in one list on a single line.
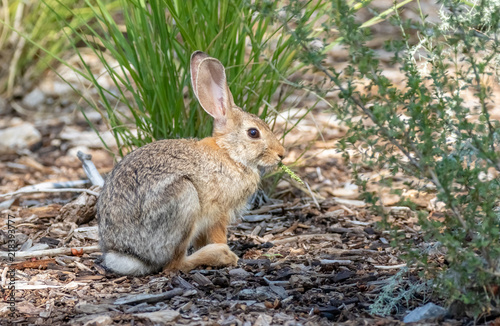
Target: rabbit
[(171, 194)]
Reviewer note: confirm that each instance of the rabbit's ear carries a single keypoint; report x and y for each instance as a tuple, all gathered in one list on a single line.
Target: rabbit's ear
[(196, 59), (210, 86)]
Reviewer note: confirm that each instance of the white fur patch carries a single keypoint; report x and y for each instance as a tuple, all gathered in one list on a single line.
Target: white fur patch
[(125, 264)]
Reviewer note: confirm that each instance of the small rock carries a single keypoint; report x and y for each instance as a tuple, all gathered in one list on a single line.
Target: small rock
[(34, 98), (87, 139), (19, 137), (162, 317), (428, 311), (55, 88), (239, 273)]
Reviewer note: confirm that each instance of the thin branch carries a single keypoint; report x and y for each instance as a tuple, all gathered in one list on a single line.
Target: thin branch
[(34, 191), (390, 267), (90, 169), (50, 252)]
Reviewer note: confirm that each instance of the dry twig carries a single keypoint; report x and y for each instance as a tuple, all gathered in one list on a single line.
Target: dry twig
[(50, 252)]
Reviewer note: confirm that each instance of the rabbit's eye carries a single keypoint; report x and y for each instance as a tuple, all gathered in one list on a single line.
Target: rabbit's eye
[(253, 133)]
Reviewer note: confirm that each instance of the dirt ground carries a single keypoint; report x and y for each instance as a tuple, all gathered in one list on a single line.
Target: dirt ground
[(304, 259)]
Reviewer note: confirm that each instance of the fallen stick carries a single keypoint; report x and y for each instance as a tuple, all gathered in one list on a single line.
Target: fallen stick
[(90, 169), (335, 261), (390, 267), (25, 286), (56, 185), (50, 252), (34, 191), (307, 190), (313, 197), (307, 237), (336, 251)]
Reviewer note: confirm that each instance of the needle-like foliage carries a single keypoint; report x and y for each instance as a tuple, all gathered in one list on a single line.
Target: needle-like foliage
[(435, 129)]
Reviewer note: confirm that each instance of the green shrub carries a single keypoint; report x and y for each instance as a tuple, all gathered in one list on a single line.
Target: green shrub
[(428, 132), (397, 294)]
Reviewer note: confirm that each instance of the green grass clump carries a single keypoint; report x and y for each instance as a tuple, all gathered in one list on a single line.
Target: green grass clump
[(24, 22), (152, 42)]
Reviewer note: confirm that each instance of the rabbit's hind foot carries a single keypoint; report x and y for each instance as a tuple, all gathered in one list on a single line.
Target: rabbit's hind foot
[(215, 254), (124, 264)]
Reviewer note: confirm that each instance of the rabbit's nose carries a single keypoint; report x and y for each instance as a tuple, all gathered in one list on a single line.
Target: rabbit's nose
[(281, 156)]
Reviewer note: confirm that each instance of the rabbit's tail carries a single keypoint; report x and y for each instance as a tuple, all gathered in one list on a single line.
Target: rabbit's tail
[(125, 264)]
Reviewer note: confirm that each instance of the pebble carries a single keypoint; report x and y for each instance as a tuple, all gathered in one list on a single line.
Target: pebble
[(429, 311), (54, 87), (88, 139), (34, 99), (18, 137)]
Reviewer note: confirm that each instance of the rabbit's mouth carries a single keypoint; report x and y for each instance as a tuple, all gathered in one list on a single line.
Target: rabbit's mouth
[(263, 169)]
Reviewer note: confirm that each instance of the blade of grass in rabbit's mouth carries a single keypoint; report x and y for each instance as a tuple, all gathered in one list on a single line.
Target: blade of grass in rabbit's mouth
[(292, 175)]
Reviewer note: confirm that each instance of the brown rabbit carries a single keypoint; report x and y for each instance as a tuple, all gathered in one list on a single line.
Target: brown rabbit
[(170, 194)]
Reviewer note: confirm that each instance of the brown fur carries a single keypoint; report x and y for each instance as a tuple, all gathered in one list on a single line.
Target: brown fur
[(171, 194)]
